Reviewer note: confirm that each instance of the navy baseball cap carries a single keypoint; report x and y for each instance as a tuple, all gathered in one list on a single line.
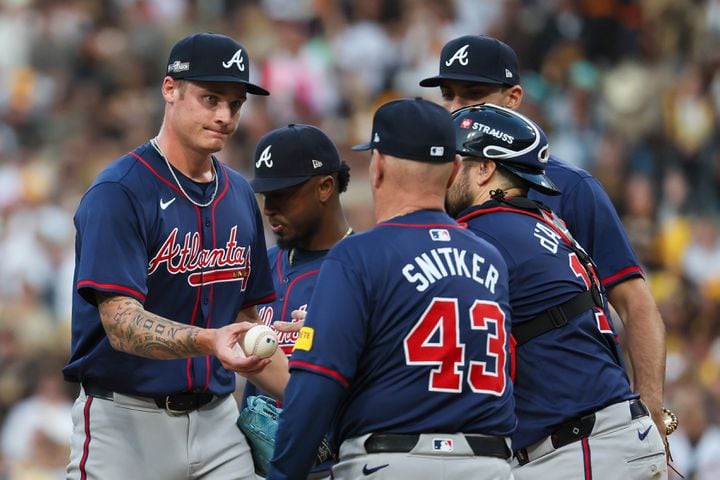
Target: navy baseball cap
[(211, 57), (507, 137), (290, 155), (476, 58), (413, 129)]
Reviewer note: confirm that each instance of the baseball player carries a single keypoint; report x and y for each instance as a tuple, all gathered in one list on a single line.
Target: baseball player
[(477, 69), (170, 253), (577, 415), (405, 344), (300, 175)]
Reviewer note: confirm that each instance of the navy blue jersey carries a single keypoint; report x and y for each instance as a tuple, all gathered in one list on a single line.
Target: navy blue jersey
[(294, 285), (591, 218), (412, 318), (137, 235), (568, 371)]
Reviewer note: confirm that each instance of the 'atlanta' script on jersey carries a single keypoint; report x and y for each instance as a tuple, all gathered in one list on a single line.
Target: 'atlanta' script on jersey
[(188, 257), (439, 263)]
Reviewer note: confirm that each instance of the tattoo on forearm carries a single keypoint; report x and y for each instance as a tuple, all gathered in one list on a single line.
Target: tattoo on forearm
[(132, 329)]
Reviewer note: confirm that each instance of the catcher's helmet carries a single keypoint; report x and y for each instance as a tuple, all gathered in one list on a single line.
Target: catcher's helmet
[(505, 136)]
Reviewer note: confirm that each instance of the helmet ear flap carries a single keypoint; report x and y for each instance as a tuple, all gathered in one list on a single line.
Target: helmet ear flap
[(544, 154)]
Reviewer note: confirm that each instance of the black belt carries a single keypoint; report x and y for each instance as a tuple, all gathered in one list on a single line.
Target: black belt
[(178, 403), (401, 443), (552, 318), (578, 428)]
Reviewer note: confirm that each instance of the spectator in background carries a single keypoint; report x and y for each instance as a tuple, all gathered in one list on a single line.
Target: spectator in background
[(674, 226), (639, 217), (299, 68), (37, 429), (690, 126), (696, 444), (702, 256)]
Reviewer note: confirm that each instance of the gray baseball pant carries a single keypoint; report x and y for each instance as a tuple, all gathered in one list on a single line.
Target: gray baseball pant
[(424, 461), (619, 447), (130, 437)]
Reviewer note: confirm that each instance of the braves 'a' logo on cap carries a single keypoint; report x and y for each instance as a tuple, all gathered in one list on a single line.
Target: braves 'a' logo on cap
[(237, 59), (461, 55), (265, 157)]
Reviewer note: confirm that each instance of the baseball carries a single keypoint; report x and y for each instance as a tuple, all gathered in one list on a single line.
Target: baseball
[(260, 340)]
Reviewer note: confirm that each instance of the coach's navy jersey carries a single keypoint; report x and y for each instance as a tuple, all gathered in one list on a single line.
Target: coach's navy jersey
[(294, 285), (591, 218), (567, 371), (412, 317), (137, 235)]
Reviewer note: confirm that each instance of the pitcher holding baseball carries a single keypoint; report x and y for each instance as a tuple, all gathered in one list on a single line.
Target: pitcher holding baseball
[(170, 263)]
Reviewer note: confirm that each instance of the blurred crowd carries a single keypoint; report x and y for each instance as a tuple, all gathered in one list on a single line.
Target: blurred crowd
[(628, 89)]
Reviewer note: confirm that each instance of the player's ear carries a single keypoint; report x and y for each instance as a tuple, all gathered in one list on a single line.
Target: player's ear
[(326, 186), (456, 166), (168, 88), (484, 171), (377, 168), (513, 96)]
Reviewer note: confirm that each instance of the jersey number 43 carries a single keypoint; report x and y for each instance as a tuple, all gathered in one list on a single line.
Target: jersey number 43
[(435, 340)]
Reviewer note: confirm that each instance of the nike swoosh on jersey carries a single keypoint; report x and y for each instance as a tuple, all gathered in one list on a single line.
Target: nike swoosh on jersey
[(164, 205), (642, 435), (370, 471)]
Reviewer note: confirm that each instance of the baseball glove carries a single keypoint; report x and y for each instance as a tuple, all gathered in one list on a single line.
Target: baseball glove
[(259, 422)]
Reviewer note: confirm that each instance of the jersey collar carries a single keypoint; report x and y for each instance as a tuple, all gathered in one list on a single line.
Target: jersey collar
[(157, 166)]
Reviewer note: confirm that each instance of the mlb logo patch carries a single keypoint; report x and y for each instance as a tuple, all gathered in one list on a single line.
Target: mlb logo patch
[(467, 123), (437, 151), (442, 444), (439, 235)]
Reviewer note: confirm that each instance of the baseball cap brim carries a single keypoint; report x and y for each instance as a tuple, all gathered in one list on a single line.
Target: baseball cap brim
[(361, 147), (264, 185), (251, 87), (538, 181), (437, 80)]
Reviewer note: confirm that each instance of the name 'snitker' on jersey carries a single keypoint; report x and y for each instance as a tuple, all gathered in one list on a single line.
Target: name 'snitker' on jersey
[(443, 262), (189, 256)]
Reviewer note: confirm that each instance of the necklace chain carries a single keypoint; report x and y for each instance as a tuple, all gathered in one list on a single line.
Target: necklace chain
[(156, 146), (291, 255)]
